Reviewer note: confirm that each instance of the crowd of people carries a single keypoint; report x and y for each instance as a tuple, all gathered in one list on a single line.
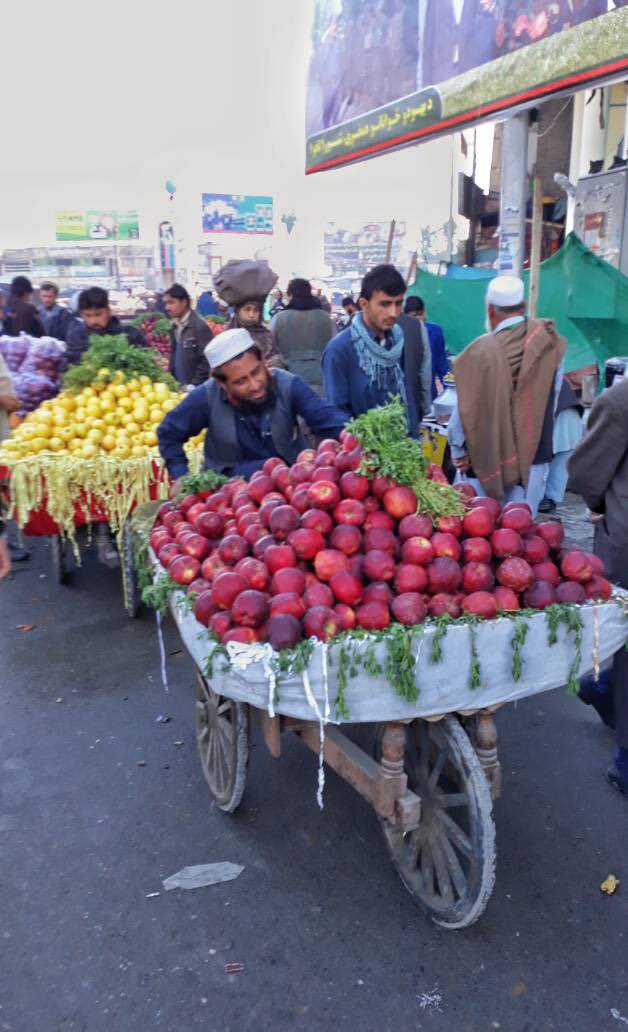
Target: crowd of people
[(264, 388)]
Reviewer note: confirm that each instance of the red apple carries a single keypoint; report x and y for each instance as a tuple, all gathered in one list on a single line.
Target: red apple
[(195, 511), (158, 538), (479, 522), (445, 544), (327, 473), (317, 519), (307, 455), (259, 487), (278, 556), (249, 519), (242, 635), (262, 545), (328, 444), (197, 546), (417, 550), (480, 603), (372, 505), (212, 566), (288, 602), (254, 572), (346, 616), (171, 518), (507, 600), (346, 588), (380, 539), (218, 502), (535, 549), (298, 499), (226, 587), (250, 609), (400, 502), (343, 462), (356, 562), (220, 622), (283, 631), (232, 548), (306, 543), (184, 569), (254, 533), (415, 526), (210, 524), (323, 495), (328, 562), (435, 473), (378, 520), (444, 604), (551, 532), (482, 502), (199, 585), (476, 550), (378, 591), (272, 464), (506, 542), (577, 566), (409, 608), (350, 511), (571, 593), (231, 527), (318, 594), (346, 538), (477, 577), (598, 588), (204, 607), (283, 521), (548, 572), (267, 508), (373, 616), (352, 485), (540, 595), (409, 578), (596, 564), (280, 477), (518, 518), (301, 473), (167, 553), (466, 490), (444, 576), (288, 579), (515, 573), (380, 485), (450, 525), (321, 622), (379, 565)]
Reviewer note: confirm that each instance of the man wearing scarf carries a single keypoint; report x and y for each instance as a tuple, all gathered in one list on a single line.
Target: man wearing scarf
[(380, 354), (507, 385)]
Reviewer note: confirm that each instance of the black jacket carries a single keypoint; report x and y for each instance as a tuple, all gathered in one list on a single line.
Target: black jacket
[(22, 318), (195, 337), (61, 324), (78, 337)]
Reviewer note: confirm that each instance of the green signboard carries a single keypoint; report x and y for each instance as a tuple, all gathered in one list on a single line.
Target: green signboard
[(97, 225)]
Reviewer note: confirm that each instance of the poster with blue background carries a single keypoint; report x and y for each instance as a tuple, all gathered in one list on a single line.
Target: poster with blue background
[(237, 213)]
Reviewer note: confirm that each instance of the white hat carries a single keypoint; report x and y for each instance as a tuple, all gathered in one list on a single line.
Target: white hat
[(505, 292), (227, 345)]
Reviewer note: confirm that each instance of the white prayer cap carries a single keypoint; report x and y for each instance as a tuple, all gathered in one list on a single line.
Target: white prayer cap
[(505, 292), (227, 345)]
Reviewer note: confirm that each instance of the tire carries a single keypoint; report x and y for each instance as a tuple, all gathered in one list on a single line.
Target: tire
[(222, 736), (448, 863)]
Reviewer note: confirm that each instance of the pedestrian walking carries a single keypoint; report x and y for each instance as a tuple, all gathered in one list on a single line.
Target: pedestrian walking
[(21, 314), (244, 285), (568, 430), (415, 308), (56, 320), (189, 337), (206, 305), (302, 330)]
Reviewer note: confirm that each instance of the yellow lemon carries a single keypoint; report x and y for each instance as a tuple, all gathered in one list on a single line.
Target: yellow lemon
[(137, 451), (108, 442), (123, 453), (66, 433), (144, 379), (120, 390), (44, 415), (95, 436), (43, 430), (103, 371), (88, 392), (161, 389), (169, 404), (38, 444), (133, 384), (89, 451), (150, 438), (80, 415), (132, 429), (80, 430), (110, 419), (107, 403), (55, 444), (125, 403)]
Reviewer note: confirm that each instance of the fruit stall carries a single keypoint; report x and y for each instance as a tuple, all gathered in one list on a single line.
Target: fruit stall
[(357, 587), (79, 464)]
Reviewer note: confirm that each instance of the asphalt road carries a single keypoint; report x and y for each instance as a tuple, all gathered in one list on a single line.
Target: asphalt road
[(327, 934)]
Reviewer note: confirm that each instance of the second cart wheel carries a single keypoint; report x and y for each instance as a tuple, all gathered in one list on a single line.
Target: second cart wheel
[(59, 555), (448, 862), (222, 735), (132, 600)]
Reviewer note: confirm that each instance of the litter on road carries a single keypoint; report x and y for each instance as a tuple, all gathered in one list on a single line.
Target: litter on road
[(202, 874)]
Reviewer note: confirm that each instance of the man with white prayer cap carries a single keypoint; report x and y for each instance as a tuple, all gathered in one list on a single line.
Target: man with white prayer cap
[(507, 385), (251, 413)]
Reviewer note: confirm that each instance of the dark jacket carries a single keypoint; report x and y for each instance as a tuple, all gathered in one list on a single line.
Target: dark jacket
[(302, 336), (598, 470), (58, 324), (440, 362), (78, 336), (189, 351), (415, 340), (22, 318), (239, 443)]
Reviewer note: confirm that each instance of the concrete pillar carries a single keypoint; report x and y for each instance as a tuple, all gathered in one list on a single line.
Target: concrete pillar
[(593, 144), (514, 193)]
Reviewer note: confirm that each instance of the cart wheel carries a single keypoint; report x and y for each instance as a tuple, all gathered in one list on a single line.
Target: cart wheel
[(59, 554), (132, 598), (448, 862), (222, 734)]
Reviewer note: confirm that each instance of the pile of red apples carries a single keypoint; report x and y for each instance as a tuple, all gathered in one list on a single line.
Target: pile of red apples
[(316, 548)]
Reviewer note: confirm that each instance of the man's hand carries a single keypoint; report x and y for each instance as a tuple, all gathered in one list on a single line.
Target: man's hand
[(5, 559), (9, 402), (462, 464), (175, 487)]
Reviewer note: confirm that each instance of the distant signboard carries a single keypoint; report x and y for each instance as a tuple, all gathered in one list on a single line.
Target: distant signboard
[(237, 213), (385, 75), (352, 252), (97, 225)]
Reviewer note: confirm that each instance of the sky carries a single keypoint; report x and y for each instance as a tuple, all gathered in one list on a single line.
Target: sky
[(119, 97)]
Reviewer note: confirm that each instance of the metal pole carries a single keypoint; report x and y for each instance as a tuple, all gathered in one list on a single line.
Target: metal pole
[(391, 237), (514, 193), (535, 248)]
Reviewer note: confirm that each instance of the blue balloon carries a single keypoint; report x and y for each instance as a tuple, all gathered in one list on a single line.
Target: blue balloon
[(170, 187)]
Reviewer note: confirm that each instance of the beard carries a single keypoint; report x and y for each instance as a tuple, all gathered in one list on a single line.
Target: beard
[(252, 408)]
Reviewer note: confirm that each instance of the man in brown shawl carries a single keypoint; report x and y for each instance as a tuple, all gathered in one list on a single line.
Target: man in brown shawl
[(507, 383)]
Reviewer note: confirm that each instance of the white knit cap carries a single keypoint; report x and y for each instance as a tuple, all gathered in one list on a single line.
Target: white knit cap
[(505, 292), (227, 345)]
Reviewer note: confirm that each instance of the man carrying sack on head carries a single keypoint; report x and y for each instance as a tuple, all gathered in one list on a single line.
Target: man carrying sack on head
[(244, 285), (507, 385)]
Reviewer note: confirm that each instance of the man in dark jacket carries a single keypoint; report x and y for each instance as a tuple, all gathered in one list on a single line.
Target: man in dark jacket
[(598, 470), (189, 337), (381, 354), (415, 308), (22, 315), (99, 321), (250, 413), (55, 319), (302, 330)]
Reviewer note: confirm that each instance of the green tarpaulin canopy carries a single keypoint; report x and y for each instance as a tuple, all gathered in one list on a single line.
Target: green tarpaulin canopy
[(585, 296)]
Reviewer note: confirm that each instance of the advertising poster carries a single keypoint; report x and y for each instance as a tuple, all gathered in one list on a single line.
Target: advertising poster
[(352, 251), (386, 73), (237, 213), (97, 225)]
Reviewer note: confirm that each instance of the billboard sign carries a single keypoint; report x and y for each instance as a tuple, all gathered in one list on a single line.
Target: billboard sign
[(97, 225), (237, 213), (352, 252), (390, 74)]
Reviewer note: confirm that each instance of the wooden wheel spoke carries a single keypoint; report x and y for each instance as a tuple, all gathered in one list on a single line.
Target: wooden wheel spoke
[(413, 844), (442, 870), (449, 801), (224, 707), (427, 869), (455, 868), (437, 770), (454, 832), (424, 751)]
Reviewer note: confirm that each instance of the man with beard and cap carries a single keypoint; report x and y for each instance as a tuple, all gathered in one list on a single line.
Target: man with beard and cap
[(250, 412), (507, 383)]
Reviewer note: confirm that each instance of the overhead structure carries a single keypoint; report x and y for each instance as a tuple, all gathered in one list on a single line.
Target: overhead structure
[(387, 76)]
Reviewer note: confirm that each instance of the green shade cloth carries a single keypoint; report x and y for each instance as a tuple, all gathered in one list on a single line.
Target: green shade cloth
[(585, 296)]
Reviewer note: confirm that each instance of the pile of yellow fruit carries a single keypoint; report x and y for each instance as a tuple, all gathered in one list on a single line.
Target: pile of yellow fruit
[(112, 416)]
